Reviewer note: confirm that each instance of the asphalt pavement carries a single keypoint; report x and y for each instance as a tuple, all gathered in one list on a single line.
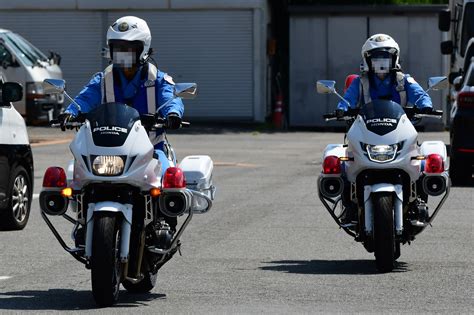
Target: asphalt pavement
[(267, 246)]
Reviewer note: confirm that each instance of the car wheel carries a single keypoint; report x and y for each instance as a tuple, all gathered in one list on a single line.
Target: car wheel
[(460, 171), (16, 215)]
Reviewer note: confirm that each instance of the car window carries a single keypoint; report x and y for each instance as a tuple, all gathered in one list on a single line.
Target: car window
[(4, 54), (29, 54), (467, 26), (470, 79)]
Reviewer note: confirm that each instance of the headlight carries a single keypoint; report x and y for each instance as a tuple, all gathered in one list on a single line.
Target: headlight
[(107, 165), (382, 153)]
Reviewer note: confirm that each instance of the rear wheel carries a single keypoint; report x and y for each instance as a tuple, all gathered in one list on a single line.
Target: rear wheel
[(16, 215), (106, 268), (384, 237)]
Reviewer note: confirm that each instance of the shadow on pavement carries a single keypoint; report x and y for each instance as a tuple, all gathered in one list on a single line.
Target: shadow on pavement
[(67, 299), (329, 267)]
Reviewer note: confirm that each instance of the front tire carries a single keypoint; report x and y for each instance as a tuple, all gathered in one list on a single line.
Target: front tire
[(16, 215), (384, 236), (106, 268)]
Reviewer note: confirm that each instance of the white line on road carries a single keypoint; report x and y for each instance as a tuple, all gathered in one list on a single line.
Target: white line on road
[(4, 277), (35, 196)]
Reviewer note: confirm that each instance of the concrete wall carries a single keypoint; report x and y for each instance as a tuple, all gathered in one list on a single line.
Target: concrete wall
[(328, 46)]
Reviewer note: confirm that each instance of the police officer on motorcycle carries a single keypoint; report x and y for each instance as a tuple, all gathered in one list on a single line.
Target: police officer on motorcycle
[(132, 79), (381, 77)]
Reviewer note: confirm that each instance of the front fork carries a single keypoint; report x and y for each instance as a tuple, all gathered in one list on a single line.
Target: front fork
[(369, 209), (125, 229)]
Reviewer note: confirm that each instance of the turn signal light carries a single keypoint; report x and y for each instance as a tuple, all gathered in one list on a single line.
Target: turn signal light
[(155, 192), (66, 192), (174, 178), (54, 177), (332, 165), (434, 164)]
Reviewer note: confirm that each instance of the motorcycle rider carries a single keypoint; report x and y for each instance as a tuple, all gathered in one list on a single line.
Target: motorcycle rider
[(132, 79), (381, 77)]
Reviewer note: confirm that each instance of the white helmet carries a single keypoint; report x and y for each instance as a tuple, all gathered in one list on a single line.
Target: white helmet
[(380, 42), (132, 29)]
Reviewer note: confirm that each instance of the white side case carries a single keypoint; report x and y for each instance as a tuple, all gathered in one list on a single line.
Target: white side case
[(198, 173)]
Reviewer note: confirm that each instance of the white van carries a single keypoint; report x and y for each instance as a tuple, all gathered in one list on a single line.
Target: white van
[(16, 161), (24, 63)]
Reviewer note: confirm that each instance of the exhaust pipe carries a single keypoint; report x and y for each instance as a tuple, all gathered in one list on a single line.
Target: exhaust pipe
[(52, 203), (434, 185), (331, 187), (174, 202)]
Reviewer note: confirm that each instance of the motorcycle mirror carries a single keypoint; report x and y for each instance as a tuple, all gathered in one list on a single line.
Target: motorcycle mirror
[(457, 83), (54, 86), (11, 92), (185, 90), (437, 83), (326, 86)]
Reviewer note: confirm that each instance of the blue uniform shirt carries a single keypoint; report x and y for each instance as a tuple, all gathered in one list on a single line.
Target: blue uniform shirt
[(134, 91), (380, 88)]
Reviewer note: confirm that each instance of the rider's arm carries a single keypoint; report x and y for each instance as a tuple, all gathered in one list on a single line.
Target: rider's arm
[(167, 103), (351, 95), (415, 93), (88, 98)]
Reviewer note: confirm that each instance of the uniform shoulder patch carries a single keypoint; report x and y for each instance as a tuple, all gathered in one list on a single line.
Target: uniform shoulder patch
[(168, 79), (149, 83), (411, 80)]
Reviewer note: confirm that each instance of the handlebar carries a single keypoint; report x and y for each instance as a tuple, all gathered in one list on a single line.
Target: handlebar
[(412, 112), (149, 121)]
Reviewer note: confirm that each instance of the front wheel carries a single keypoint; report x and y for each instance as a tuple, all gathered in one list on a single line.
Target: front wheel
[(384, 236), (106, 268)]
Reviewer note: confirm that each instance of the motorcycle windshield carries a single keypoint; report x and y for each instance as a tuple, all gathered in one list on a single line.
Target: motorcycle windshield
[(381, 116), (111, 123)]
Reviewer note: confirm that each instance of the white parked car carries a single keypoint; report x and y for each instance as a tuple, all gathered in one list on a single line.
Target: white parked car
[(16, 161), (24, 63)]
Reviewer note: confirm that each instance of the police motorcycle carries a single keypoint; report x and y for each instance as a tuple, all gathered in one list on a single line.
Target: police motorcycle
[(383, 176), (116, 196)]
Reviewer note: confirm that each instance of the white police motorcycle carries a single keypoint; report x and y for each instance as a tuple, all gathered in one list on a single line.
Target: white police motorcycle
[(383, 176), (119, 199)]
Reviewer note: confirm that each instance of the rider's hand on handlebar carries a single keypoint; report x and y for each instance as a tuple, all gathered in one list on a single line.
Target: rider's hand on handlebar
[(63, 119), (340, 113), (173, 121)]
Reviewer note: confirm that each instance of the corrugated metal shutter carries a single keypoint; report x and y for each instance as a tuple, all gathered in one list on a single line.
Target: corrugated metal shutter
[(213, 48), (76, 35)]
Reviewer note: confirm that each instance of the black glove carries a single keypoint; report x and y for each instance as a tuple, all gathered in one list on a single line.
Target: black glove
[(426, 110), (63, 119), (173, 121), (340, 113)]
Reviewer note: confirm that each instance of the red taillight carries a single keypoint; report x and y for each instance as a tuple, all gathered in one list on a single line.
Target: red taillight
[(54, 177), (466, 100), (174, 178), (332, 165), (434, 164)]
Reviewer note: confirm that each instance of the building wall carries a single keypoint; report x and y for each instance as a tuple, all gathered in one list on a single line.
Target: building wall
[(217, 44), (328, 46)]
